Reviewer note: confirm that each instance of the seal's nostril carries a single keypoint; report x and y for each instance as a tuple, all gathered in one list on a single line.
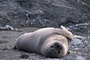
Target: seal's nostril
[(58, 52), (57, 46), (60, 47)]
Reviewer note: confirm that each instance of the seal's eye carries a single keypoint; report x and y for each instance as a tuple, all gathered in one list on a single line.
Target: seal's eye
[(51, 46)]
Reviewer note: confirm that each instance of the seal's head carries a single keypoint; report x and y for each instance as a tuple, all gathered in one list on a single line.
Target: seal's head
[(54, 48)]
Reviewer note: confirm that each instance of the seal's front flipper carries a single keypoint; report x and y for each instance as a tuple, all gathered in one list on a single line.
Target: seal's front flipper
[(68, 33)]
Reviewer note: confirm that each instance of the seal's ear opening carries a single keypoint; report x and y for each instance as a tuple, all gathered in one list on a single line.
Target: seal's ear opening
[(68, 33)]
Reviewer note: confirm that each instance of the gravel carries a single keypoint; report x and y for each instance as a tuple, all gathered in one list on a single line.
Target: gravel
[(79, 50)]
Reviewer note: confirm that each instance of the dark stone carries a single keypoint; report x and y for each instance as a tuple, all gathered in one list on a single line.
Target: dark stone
[(24, 56)]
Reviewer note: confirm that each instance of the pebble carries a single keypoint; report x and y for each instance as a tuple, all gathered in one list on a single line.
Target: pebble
[(76, 41), (79, 37), (88, 36), (21, 59), (88, 47), (24, 59), (80, 58), (52, 59)]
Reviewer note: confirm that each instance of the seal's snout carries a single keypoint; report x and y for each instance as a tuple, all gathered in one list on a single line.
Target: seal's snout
[(57, 47)]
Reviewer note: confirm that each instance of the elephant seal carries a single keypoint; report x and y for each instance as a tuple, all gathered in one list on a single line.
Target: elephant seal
[(49, 42)]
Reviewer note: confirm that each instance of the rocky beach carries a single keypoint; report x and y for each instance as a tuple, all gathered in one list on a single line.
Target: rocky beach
[(22, 16)]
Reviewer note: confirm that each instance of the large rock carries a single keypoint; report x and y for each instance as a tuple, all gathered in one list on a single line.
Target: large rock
[(43, 13)]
